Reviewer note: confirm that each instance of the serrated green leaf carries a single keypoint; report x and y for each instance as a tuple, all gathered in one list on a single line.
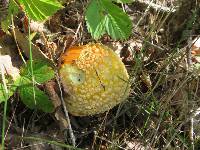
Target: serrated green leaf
[(3, 96), (12, 10), (40, 9), (95, 19), (42, 71), (23, 81), (34, 98), (104, 16), (31, 95), (118, 24), (123, 1)]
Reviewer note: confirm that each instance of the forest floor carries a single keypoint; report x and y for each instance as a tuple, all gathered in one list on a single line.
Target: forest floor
[(162, 59)]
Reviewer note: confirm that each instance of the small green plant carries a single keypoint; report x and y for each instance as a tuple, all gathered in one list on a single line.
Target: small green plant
[(35, 9), (40, 9), (103, 16), (31, 95)]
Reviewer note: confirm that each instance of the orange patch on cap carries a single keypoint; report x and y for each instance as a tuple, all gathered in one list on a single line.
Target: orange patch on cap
[(71, 54)]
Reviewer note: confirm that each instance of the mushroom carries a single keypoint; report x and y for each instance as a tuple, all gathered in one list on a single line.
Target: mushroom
[(94, 78)]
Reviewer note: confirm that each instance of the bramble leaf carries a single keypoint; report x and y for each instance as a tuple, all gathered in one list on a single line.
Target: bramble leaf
[(118, 24), (40, 9), (104, 16), (34, 98), (42, 71), (29, 93), (95, 19)]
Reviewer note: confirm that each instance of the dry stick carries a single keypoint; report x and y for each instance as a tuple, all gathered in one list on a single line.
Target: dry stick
[(10, 122), (192, 131), (22, 134), (189, 62), (76, 33), (156, 6), (66, 112)]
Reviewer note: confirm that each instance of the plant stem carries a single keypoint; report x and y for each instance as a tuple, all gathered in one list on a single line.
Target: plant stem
[(31, 59), (5, 107)]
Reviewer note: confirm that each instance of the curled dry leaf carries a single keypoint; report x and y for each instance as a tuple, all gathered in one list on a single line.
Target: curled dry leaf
[(60, 117), (23, 43), (136, 145), (36, 26), (145, 77), (196, 46), (50, 89), (8, 68), (9, 59), (196, 50)]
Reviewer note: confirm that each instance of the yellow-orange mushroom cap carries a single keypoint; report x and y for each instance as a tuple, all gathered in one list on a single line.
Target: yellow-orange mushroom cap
[(95, 79)]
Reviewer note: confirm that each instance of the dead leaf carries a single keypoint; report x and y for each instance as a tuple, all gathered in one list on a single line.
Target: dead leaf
[(9, 59), (50, 89), (196, 46), (23, 42), (59, 115)]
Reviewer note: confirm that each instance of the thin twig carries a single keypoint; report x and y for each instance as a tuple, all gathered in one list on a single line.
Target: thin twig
[(66, 112), (189, 64)]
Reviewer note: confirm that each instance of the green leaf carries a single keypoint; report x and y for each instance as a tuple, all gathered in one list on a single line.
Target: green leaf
[(40, 9), (12, 10), (42, 71), (118, 24), (104, 16), (34, 98), (123, 1), (31, 95), (3, 96), (95, 19), (23, 81)]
